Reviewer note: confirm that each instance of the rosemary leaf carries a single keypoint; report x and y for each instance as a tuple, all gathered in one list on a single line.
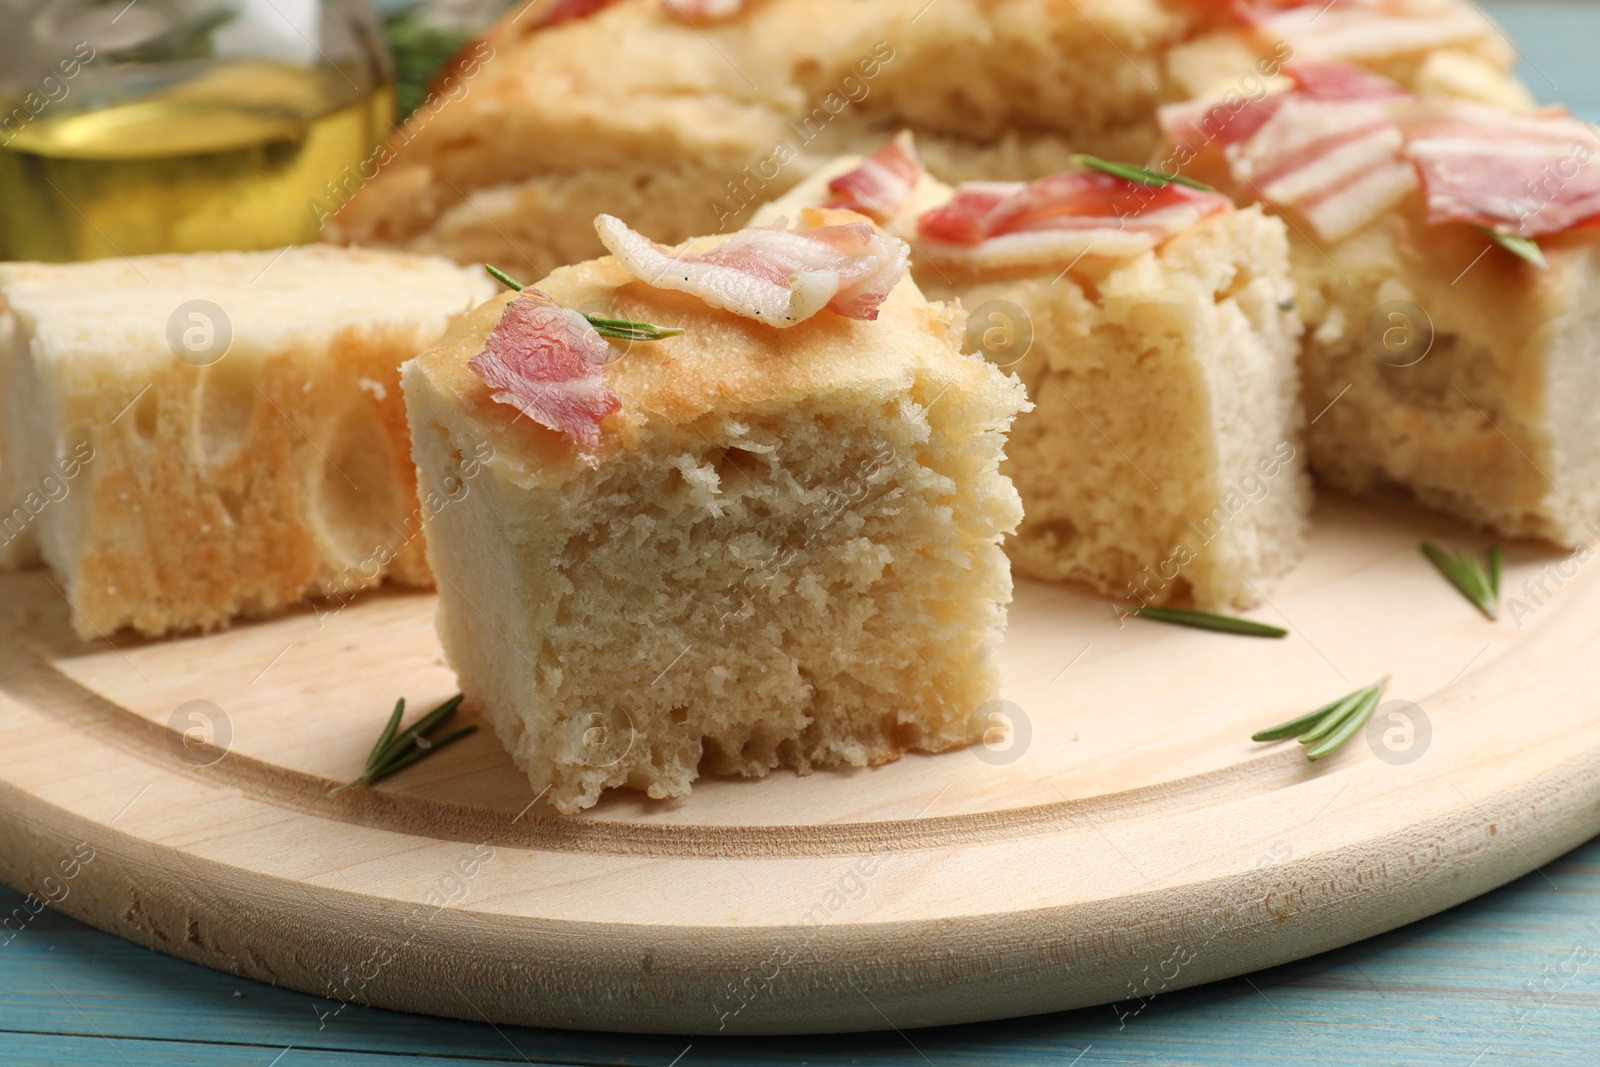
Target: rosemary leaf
[(1475, 581), (1205, 620), (617, 329), (503, 278), (424, 748), (1295, 727), (1524, 248), (393, 753), (1142, 175), (1352, 723), (1331, 725), (1336, 717), (387, 735)]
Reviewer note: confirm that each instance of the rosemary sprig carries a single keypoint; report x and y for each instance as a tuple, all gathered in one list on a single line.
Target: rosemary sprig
[(1330, 726), (1478, 580), (1205, 620), (1142, 175), (1524, 248), (620, 329), (395, 753)]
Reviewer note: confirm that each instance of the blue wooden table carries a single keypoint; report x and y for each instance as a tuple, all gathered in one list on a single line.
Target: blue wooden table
[(1508, 980)]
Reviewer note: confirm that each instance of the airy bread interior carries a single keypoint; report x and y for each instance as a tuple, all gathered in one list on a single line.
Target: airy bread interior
[(1163, 461), (172, 493), (1441, 368), (790, 557)]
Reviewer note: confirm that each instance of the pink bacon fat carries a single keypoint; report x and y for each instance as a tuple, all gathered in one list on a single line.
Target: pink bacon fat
[(1327, 149), (882, 185), (1000, 225), (706, 10), (774, 275), (556, 12), (546, 361), (1531, 175), (1359, 30)]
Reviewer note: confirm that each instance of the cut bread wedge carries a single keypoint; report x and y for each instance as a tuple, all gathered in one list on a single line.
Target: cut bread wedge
[(189, 439), (745, 547), (1163, 461)]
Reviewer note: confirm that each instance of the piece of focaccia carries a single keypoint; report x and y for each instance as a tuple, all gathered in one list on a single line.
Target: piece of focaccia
[(1154, 329), (683, 116), (192, 438), (1448, 270), (770, 541)]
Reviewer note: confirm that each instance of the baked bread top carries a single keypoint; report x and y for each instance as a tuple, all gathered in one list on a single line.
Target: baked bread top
[(85, 313), (994, 88), (722, 361)]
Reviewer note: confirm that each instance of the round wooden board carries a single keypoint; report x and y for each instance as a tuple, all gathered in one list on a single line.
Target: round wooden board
[(1136, 842)]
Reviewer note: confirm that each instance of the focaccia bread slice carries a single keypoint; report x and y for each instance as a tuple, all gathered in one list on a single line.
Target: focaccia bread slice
[(683, 122), (749, 546), (1163, 460), (1447, 357), (192, 438)]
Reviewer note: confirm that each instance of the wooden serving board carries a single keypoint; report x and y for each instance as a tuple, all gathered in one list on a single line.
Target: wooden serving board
[(1128, 839)]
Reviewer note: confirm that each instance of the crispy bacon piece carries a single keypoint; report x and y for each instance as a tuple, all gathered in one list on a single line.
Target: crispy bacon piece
[(707, 10), (546, 361), (1531, 175), (772, 274), (881, 186), (1328, 149), (993, 225)]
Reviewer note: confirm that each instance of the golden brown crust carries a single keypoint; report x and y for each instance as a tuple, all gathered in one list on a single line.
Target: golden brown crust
[(682, 129)]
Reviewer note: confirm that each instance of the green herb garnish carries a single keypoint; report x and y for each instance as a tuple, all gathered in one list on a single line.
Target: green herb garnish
[(1524, 248), (420, 51), (394, 753), (1478, 580), (1204, 620), (1143, 175), (1330, 726), (620, 329)]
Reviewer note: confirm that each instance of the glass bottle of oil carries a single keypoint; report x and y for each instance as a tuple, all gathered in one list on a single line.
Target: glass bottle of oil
[(184, 125)]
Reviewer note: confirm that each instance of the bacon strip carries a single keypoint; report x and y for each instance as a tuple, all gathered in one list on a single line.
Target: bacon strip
[(1532, 175), (996, 225), (1354, 31), (772, 274), (1328, 149), (707, 10), (881, 186), (546, 361)]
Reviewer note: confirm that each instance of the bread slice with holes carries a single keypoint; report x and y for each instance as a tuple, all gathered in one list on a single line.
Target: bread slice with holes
[(1163, 460), (192, 438), (787, 552)]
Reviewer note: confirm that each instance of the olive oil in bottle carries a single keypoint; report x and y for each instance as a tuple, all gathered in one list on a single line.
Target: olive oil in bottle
[(236, 157)]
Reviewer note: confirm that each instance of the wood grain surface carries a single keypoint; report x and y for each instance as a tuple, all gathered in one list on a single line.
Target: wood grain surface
[(1131, 841)]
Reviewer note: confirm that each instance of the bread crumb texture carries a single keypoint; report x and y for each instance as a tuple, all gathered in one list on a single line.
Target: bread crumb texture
[(175, 492), (788, 555)]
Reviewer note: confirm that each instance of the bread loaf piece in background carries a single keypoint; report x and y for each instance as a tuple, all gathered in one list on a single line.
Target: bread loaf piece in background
[(564, 111)]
